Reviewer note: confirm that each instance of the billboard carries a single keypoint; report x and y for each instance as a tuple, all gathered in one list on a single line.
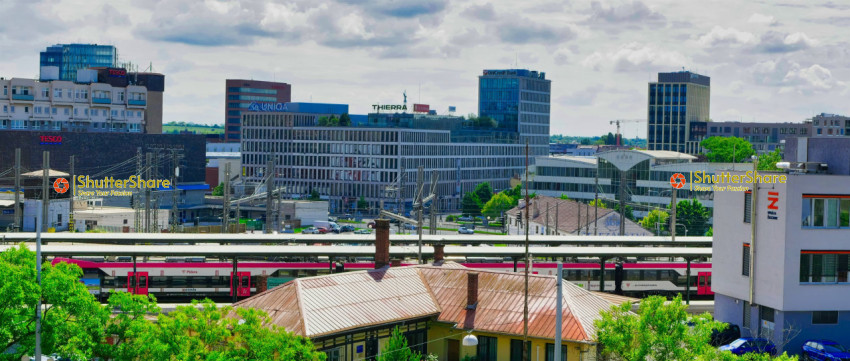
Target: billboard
[(421, 108)]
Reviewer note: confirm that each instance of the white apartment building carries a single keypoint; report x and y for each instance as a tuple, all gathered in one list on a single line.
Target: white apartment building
[(29, 104)]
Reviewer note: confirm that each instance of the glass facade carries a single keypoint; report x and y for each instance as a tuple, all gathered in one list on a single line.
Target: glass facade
[(519, 101), (675, 101), (72, 57)]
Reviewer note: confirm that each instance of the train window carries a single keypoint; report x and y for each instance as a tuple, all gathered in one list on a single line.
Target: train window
[(160, 282), (634, 275), (108, 281), (219, 282), (178, 281)]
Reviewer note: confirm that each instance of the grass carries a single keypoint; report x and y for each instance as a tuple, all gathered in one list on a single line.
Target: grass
[(493, 233), (346, 221), (191, 128)]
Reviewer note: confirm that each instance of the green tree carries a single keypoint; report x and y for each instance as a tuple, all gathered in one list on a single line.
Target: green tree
[(333, 121), (630, 214), (693, 216), (710, 232), (323, 121), (599, 202), (203, 331), (564, 197), (655, 221), (768, 161), (344, 120), (396, 349), (721, 149), (484, 193), (69, 309), (470, 204), (314, 195), (496, 205), (218, 190), (362, 204), (126, 323)]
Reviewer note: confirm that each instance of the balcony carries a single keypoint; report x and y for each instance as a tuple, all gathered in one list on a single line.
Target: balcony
[(101, 100), (22, 97), (136, 102)]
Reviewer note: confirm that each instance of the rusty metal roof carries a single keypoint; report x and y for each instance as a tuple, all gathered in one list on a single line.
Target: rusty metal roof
[(329, 304)]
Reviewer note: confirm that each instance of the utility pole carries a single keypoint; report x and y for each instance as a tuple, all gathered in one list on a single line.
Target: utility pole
[(269, 187), (38, 277), (278, 210), (578, 218), (434, 202), (557, 219), (225, 205), (548, 231), (596, 202), (587, 220), (175, 165), (71, 203), (148, 162), (399, 192), (525, 349), (622, 203), (137, 207), (18, 214), (673, 205), (420, 185), (753, 219), (45, 191)]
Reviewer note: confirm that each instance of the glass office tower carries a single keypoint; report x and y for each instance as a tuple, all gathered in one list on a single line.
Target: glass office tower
[(678, 111), (71, 57), (518, 99)]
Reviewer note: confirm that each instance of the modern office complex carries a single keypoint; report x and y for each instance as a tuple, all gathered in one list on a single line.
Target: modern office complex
[(830, 125), (765, 137), (69, 58), (518, 99), (780, 262), (677, 112), (242, 93)]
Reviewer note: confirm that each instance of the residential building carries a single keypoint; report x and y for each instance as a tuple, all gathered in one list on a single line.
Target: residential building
[(519, 100), (830, 125), (68, 58), (765, 137), (350, 316), (555, 216), (240, 93), (676, 101), (780, 261), (58, 105)]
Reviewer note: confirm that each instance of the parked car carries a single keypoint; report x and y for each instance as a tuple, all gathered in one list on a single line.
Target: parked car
[(824, 350), (346, 228), (371, 224), (409, 226), (750, 345), (288, 229), (323, 230), (729, 334), (362, 231), (465, 218), (311, 230), (464, 230)]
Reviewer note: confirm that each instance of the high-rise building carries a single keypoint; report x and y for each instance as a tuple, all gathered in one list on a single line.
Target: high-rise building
[(678, 109), (69, 58), (241, 93), (518, 99)]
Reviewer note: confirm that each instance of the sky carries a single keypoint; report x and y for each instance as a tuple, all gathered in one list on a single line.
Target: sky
[(769, 61)]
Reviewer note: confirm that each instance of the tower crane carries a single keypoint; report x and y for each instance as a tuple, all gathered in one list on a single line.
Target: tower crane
[(618, 121)]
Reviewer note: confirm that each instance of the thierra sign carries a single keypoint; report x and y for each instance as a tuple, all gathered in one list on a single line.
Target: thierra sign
[(267, 107), (389, 107)]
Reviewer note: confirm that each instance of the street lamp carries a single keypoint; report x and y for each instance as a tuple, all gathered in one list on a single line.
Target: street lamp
[(470, 340)]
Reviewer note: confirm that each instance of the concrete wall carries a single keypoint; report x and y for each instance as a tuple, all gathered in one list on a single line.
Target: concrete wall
[(799, 328), (57, 214)]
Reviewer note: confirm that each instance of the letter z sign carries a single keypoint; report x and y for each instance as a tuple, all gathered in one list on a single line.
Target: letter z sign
[(772, 199)]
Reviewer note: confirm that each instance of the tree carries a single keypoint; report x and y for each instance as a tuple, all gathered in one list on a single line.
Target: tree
[(344, 120), (629, 211), (314, 195), (484, 193), (396, 349), (333, 121), (218, 190), (655, 221), (598, 203), (769, 160), (496, 205), (710, 232), (323, 121), (564, 197), (610, 139), (470, 204), (69, 310), (720, 149), (362, 204), (203, 331), (693, 216), (126, 324)]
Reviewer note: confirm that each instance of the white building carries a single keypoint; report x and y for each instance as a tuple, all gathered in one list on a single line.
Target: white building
[(113, 219)]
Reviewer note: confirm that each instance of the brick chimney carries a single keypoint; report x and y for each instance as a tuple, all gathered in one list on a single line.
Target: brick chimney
[(395, 263), (382, 243), (439, 252), (471, 290)]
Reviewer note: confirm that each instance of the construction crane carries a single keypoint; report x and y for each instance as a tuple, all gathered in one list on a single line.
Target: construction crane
[(618, 121)]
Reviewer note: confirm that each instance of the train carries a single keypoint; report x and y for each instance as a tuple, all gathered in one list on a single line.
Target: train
[(185, 278)]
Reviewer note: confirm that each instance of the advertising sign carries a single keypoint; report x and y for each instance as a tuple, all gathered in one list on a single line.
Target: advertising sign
[(117, 72), (421, 108), (93, 284)]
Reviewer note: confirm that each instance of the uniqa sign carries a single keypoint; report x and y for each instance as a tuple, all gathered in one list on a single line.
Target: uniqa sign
[(389, 107), (267, 107)]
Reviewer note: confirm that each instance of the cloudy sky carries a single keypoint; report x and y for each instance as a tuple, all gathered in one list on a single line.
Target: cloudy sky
[(768, 61)]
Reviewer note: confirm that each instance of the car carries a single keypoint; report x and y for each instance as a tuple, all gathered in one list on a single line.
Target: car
[(371, 224), (729, 334), (346, 228), (465, 219), (310, 230), (464, 230), (362, 231), (824, 350), (750, 345), (323, 230), (409, 226), (288, 229)]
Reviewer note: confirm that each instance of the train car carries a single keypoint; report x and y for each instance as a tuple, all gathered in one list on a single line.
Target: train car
[(194, 277)]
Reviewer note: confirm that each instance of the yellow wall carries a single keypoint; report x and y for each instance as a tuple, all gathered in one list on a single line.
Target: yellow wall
[(438, 333)]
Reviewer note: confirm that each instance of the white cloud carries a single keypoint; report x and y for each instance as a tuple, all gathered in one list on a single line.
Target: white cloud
[(775, 42), (757, 18), (791, 77), (720, 35), (636, 57)]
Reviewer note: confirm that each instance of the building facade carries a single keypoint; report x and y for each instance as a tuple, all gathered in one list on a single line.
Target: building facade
[(57, 105), (240, 93), (676, 101), (69, 58), (830, 125), (519, 100), (781, 271), (765, 137)]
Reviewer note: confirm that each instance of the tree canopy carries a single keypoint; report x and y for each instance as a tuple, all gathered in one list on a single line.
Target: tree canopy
[(397, 349), (720, 149), (470, 204), (655, 221), (314, 195), (693, 216), (768, 161), (362, 204), (484, 192), (498, 204), (218, 190)]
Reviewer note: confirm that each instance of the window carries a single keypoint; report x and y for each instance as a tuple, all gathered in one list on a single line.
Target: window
[(550, 352), (746, 321), (45, 92), (57, 92), (824, 266), (748, 207), (516, 350), (825, 317), (59, 220), (823, 212), (745, 257), (486, 348)]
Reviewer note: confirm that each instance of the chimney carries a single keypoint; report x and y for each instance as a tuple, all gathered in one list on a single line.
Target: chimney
[(471, 290), (382, 243), (439, 252)]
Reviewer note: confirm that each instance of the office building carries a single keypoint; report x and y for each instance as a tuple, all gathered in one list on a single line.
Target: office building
[(519, 101), (240, 93), (765, 137), (69, 58), (830, 125), (678, 101), (780, 261)]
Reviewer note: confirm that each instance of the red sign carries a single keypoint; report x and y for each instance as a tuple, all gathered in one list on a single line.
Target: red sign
[(421, 108), (117, 72), (677, 180), (50, 139), (61, 185)]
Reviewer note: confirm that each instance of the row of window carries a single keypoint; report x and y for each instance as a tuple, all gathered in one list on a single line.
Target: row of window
[(67, 111), (832, 212), (824, 267), (251, 90), (488, 350), (72, 93)]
